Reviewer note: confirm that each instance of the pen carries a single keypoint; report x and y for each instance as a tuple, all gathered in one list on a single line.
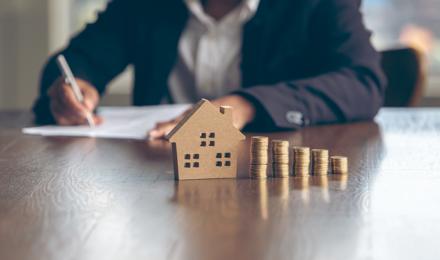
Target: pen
[(70, 79)]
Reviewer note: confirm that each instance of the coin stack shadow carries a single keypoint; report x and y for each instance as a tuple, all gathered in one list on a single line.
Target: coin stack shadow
[(280, 158), (339, 164), (319, 162), (301, 161), (259, 157)]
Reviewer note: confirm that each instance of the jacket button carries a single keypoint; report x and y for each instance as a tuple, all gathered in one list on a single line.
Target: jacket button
[(294, 117)]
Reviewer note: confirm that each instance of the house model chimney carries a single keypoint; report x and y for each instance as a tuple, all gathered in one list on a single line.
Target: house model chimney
[(227, 112)]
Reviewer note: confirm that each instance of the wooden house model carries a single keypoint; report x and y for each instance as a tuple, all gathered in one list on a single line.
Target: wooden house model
[(205, 143)]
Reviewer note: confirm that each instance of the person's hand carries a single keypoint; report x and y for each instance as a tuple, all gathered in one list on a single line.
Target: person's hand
[(66, 109), (243, 113)]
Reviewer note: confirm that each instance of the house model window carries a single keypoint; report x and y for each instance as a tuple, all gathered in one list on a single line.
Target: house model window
[(223, 159), (192, 160), (207, 139)]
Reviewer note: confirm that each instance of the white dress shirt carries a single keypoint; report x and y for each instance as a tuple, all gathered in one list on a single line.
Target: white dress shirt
[(209, 53)]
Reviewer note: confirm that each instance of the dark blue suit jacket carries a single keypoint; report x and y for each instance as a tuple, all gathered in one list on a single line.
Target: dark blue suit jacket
[(303, 61)]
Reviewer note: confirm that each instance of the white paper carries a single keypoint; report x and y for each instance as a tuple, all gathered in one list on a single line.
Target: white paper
[(119, 122)]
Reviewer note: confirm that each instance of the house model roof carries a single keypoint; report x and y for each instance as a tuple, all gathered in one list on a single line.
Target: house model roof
[(205, 111)]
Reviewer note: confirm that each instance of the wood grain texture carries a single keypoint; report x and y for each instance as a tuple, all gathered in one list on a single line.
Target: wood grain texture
[(80, 198)]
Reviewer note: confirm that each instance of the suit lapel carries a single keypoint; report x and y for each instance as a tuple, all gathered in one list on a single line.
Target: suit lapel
[(252, 46), (265, 36), (165, 41)]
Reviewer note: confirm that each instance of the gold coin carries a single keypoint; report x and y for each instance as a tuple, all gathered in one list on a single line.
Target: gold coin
[(339, 164), (321, 152), (260, 139)]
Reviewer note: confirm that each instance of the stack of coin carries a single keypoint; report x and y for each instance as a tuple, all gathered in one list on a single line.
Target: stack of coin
[(339, 164), (301, 161), (259, 157), (280, 158), (320, 161)]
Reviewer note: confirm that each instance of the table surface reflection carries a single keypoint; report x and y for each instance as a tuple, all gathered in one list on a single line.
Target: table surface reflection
[(80, 198)]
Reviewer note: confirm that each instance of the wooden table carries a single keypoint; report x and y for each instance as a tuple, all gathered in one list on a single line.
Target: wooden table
[(79, 198)]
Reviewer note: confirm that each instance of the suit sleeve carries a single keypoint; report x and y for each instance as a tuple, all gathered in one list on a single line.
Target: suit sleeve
[(97, 54), (348, 84)]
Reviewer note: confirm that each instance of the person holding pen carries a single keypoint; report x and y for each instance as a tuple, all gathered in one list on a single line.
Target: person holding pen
[(281, 64)]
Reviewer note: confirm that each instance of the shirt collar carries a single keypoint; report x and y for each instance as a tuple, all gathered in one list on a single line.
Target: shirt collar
[(252, 5), (249, 8)]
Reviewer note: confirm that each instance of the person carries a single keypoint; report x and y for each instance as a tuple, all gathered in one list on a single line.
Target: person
[(281, 64)]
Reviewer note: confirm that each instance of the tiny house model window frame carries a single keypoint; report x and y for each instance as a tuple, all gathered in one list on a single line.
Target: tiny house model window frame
[(192, 160), (223, 159), (207, 139)]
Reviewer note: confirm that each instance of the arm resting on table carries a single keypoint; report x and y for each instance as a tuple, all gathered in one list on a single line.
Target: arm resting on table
[(348, 84)]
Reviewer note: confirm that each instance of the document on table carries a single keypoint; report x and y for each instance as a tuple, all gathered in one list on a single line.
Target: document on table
[(119, 122)]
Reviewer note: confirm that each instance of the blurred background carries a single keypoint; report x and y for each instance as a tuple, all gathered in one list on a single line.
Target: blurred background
[(32, 29)]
